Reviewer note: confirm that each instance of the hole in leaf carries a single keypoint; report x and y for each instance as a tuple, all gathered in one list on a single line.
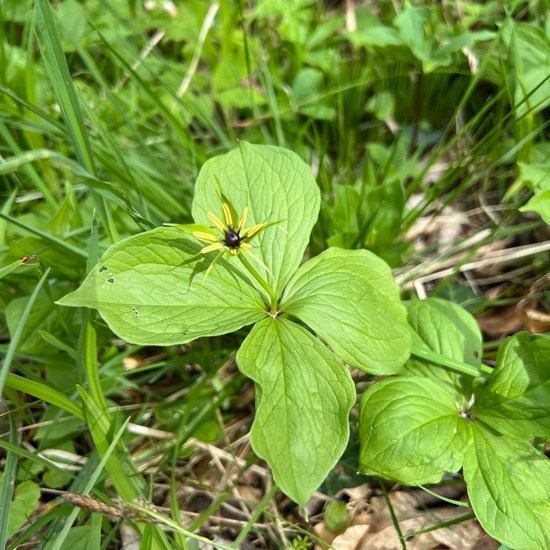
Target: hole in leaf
[(102, 269), (111, 280), (135, 311)]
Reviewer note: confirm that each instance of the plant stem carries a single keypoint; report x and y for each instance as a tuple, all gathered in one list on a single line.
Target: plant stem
[(252, 270), (438, 359), (260, 509)]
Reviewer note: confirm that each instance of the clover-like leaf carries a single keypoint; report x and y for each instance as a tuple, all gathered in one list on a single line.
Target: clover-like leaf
[(150, 289), (303, 398), (349, 298), (410, 431), (276, 186), (516, 396), (509, 488)]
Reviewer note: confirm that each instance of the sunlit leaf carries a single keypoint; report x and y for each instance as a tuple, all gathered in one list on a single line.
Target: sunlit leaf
[(411, 431), (304, 395), (349, 298)]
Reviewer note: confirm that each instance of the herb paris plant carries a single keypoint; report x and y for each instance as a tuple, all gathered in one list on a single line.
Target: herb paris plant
[(427, 422), (152, 289)]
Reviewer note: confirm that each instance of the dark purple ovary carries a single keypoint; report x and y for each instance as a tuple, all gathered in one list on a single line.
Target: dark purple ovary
[(232, 238)]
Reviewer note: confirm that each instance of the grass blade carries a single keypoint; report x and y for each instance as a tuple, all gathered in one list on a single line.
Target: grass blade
[(54, 240), (8, 485), (19, 331), (60, 538), (43, 392), (56, 65)]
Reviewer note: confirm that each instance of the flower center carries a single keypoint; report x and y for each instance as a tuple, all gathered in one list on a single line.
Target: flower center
[(232, 238)]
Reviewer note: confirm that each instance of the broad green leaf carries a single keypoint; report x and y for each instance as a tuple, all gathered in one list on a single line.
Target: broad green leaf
[(26, 499), (304, 395), (532, 93), (276, 186), (412, 23), (41, 316), (382, 105), (509, 489), (540, 204), (17, 332), (516, 397), (385, 210), (344, 215), (377, 35), (447, 329), (308, 86), (410, 431), (528, 45), (349, 298), (536, 176), (150, 289)]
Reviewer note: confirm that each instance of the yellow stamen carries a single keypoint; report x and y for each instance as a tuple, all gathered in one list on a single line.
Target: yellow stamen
[(211, 247), (243, 219), (253, 230), (227, 214), (216, 221), (205, 236)]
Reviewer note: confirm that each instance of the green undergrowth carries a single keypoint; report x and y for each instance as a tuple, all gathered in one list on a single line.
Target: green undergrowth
[(339, 130)]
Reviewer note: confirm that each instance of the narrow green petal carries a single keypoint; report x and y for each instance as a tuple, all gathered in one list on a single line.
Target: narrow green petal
[(214, 262)]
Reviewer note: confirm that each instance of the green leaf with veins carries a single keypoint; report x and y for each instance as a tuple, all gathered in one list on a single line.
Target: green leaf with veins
[(150, 290), (515, 398), (275, 185), (509, 489), (303, 398), (447, 329), (349, 298), (539, 203), (410, 431)]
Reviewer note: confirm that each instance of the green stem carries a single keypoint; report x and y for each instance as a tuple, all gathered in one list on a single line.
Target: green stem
[(252, 270), (428, 355), (260, 509)]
